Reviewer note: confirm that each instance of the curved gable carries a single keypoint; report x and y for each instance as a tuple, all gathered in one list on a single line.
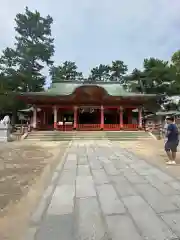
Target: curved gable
[(68, 88)]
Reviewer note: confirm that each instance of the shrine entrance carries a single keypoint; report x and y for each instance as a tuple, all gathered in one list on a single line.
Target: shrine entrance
[(89, 115), (111, 116), (88, 118)]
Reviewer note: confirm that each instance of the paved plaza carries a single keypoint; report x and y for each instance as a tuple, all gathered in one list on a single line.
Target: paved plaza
[(104, 192)]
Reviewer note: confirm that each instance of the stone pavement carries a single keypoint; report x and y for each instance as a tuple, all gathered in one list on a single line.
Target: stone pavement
[(103, 192)]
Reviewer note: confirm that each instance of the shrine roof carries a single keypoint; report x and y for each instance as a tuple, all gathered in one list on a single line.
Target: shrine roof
[(67, 88)]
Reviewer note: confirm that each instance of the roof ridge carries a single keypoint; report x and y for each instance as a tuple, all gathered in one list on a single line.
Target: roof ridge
[(88, 83)]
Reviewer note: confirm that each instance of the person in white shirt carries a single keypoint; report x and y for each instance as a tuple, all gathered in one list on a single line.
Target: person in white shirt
[(165, 128)]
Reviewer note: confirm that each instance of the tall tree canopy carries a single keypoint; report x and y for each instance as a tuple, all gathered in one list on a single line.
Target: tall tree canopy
[(21, 67), (106, 73), (34, 48), (118, 70), (157, 77), (67, 71), (134, 81), (100, 73), (175, 59)]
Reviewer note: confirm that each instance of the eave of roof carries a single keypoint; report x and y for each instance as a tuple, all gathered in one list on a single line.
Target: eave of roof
[(68, 88), (165, 113)]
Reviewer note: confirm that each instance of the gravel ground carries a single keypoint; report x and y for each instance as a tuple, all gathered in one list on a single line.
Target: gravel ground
[(22, 165)]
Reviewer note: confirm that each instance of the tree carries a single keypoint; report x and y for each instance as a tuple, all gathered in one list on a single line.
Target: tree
[(8, 80), (175, 59), (66, 72), (157, 77), (95, 75), (135, 81), (175, 71), (100, 73), (171, 103), (20, 67), (34, 48), (118, 70)]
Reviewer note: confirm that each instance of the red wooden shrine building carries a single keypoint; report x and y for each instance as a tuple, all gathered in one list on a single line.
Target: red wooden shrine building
[(68, 106)]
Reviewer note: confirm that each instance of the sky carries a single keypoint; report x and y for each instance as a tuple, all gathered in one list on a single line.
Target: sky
[(91, 32)]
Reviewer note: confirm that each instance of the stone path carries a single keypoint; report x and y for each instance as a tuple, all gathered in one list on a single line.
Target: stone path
[(104, 192)]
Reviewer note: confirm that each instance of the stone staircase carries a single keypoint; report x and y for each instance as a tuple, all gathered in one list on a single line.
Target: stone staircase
[(128, 136), (88, 135)]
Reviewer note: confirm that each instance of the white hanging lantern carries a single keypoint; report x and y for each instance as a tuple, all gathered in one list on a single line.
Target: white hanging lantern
[(82, 110), (91, 110)]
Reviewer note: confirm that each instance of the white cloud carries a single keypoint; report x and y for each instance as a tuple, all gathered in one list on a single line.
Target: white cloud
[(92, 32)]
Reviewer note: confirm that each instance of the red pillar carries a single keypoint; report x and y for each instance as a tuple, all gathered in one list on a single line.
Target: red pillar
[(140, 117), (75, 117), (55, 117), (121, 117), (34, 118), (102, 117)]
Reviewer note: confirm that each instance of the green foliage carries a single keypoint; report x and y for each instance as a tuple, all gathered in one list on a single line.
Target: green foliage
[(34, 48), (157, 77), (9, 79), (100, 73), (118, 70), (21, 67), (134, 81), (106, 73), (66, 72), (175, 59)]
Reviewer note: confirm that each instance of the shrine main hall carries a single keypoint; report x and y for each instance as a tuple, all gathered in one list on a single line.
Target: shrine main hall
[(78, 106)]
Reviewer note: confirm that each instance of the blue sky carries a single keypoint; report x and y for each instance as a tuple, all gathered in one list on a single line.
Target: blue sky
[(91, 32)]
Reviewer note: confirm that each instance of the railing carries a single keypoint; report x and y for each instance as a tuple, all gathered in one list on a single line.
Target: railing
[(110, 127), (68, 127), (45, 127), (115, 127), (65, 127), (88, 127), (130, 127), (19, 130)]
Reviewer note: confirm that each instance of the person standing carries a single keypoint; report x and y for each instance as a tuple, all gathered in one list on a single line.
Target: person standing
[(172, 140), (165, 128)]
